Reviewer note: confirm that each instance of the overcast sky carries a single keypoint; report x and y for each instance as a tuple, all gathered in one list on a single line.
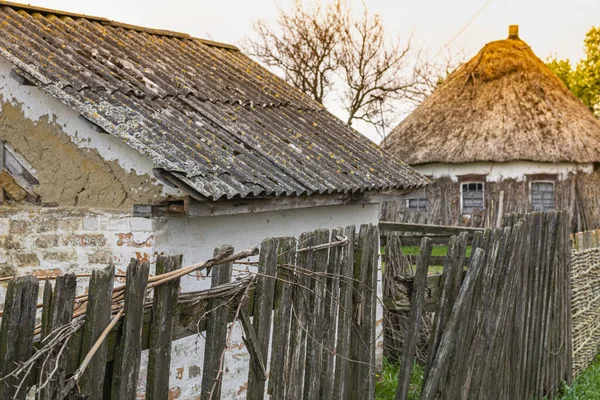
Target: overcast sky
[(549, 26)]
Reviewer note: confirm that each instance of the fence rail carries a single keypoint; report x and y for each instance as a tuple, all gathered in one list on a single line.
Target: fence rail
[(317, 295)]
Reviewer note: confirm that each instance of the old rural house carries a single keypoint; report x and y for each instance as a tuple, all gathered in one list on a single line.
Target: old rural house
[(119, 141), (502, 134)]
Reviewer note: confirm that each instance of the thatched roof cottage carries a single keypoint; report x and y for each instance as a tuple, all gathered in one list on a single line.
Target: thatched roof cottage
[(502, 134)]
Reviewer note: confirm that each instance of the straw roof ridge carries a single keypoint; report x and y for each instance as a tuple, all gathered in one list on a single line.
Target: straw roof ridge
[(503, 105)]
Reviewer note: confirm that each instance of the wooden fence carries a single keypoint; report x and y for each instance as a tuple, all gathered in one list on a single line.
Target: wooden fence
[(502, 329), (398, 278), (316, 294)]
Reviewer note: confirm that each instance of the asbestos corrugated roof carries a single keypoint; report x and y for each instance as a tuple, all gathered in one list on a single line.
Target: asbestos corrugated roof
[(216, 121)]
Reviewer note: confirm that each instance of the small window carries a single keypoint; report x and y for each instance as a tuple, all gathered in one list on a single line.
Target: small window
[(472, 197), (542, 196), (419, 204)]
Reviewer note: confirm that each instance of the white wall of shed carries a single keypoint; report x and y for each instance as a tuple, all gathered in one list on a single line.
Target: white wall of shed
[(498, 171), (196, 239)]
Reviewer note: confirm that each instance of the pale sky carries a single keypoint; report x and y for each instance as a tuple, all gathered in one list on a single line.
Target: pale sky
[(548, 26)]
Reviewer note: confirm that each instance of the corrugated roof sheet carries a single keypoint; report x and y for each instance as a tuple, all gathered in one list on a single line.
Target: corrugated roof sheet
[(204, 112)]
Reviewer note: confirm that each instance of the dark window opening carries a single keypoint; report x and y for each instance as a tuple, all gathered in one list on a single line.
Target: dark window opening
[(542, 196), (472, 197), (419, 204)]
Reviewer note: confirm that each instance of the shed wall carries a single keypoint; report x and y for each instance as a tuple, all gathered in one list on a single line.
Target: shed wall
[(49, 241)]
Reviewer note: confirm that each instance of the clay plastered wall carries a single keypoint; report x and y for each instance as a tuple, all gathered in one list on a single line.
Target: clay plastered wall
[(75, 163)]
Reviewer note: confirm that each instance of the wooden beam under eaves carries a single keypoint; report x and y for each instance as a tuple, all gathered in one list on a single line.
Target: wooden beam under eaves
[(208, 208)]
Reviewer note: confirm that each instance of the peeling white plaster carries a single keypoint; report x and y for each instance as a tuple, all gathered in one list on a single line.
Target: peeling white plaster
[(37, 104), (498, 171)]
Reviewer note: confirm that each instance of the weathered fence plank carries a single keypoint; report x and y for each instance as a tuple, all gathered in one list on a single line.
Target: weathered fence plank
[(363, 333), (284, 289), (410, 342), (330, 314), (344, 324), (97, 317), (263, 310), (61, 313), (299, 319), (161, 330), (216, 330), (386, 226), (316, 303), (430, 385), (128, 345), (16, 333)]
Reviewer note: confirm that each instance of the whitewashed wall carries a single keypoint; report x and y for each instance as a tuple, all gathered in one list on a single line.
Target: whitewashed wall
[(196, 238), (498, 171)]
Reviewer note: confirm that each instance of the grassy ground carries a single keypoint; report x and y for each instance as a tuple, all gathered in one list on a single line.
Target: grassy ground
[(437, 251), (585, 387), (387, 382)]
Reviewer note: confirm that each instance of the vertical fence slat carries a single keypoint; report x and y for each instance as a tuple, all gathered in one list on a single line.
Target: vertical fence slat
[(330, 315), (97, 317), (299, 320), (314, 341), (278, 382), (363, 334), (444, 303), (216, 330), (128, 350), (441, 357), (344, 324), (416, 309), (61, 312), (161, 330), (263, 311), (16, 332)]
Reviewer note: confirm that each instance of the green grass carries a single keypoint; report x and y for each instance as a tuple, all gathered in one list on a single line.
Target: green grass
[(387, 382), (587, 385)]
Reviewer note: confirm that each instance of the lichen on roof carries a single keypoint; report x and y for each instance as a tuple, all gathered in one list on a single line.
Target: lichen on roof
[(215, 120), (503, 105)]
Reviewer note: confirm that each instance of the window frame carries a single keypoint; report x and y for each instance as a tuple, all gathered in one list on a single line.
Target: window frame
[(418, 199), (467, 182), (552, 182)]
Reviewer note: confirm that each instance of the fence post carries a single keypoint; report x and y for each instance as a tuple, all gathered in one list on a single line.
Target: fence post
[(280, 359), (60, 313), (16, 333), (128, 347), (299, 321), (263, 310), (97, 317), (330, 315), (161, 330), (216, 330), (362, 343), (416, 309), (429, 387), (342, 365), (316, 298)]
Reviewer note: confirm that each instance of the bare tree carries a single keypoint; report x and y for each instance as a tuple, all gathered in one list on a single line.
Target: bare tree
[(373, 71), (324, 46), (303, 47)]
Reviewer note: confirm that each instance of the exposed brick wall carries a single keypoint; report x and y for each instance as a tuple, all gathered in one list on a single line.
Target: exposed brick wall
[(48, 241)]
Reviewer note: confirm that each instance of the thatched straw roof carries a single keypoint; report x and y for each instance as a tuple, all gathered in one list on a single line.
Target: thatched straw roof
[(503, 105)]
